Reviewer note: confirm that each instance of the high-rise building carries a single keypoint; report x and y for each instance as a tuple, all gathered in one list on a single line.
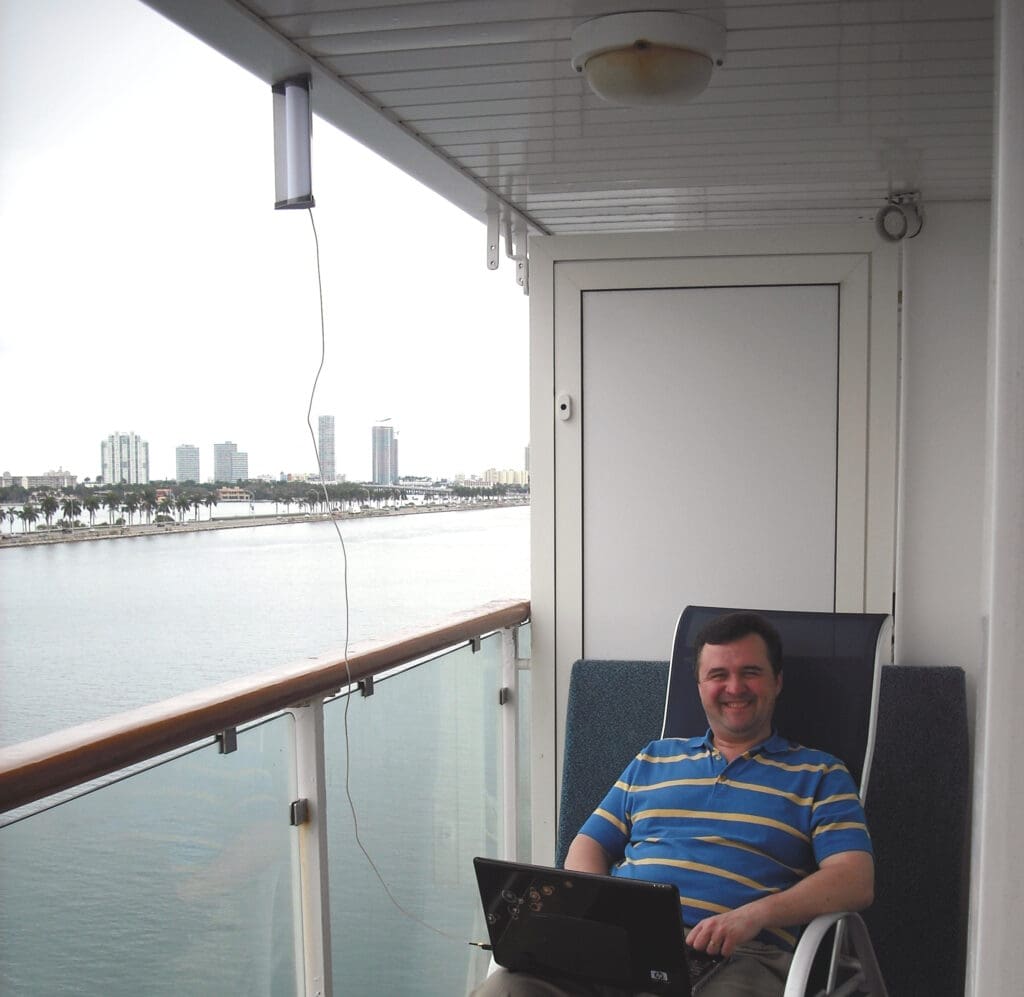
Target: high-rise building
[(385, 455), (325, 445), (125, 459), (229, 463), (186, 463)]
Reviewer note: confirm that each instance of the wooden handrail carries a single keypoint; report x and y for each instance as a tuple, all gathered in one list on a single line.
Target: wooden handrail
[(34, 769)]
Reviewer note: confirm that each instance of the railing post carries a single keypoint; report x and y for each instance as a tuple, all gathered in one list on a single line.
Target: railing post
[(509, 745), (312, 831)]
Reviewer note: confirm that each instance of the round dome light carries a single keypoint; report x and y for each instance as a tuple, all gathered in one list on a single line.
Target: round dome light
[(648, 57)]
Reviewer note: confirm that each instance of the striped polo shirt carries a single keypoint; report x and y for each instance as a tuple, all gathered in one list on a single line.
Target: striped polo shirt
[(727, 833)]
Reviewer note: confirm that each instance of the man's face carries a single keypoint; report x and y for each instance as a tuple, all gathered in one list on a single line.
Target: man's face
[(738, 690)]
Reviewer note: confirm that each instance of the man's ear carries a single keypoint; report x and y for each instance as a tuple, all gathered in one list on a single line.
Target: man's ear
[(778, 683)]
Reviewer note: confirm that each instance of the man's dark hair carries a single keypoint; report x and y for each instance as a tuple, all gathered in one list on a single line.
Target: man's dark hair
[(735, 626)]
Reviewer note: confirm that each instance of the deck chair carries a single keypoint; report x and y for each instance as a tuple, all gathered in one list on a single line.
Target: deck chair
[(832, 663)]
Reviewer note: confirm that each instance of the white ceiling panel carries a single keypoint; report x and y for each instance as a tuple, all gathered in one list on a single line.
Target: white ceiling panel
[(820, 110)]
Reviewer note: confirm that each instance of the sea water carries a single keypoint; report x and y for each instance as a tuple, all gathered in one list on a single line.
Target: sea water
[(181, 880), (94, 628)]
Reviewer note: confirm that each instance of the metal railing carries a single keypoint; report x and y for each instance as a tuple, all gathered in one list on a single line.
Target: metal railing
[(244, 711)]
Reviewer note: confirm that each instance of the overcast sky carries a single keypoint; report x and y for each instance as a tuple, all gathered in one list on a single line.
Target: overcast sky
[(147, 283)]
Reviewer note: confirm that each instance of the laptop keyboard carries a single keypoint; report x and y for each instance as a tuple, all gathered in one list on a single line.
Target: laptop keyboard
[(702, 967)]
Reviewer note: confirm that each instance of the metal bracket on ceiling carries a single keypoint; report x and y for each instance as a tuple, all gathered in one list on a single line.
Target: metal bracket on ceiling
[(493, 217), (516, 242), (503, 222)]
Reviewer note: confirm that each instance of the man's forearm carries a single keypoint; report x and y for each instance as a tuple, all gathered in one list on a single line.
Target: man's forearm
[(843, 882), (846, 884)]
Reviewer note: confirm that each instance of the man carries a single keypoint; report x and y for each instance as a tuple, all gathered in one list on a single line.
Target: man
[(760, 834)]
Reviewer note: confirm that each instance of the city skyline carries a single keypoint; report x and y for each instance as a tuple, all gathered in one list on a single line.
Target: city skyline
[(188, 463), (195, 316)]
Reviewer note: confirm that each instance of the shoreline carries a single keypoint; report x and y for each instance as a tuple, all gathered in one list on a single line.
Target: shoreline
[(85, 534)]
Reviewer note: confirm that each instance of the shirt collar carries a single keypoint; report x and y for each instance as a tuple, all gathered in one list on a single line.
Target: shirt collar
[(775, 744)]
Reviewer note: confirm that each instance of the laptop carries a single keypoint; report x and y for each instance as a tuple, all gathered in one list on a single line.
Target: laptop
[(595, 929)]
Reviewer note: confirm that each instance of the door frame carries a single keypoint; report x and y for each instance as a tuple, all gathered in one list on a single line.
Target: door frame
[(866, 271)]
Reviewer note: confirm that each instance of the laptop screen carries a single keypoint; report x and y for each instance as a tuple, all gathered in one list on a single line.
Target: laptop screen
[(621, 932)]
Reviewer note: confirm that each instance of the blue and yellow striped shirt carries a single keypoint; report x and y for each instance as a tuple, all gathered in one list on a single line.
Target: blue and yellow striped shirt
[(729, 833)]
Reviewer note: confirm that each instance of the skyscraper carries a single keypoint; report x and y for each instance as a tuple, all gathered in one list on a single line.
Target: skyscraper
[(325, 445), (229, 463), (125, 459), (186, 463), (385, 455)]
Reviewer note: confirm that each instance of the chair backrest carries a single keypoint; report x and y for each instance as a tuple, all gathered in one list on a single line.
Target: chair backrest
[(918, 809), (614, 709), (831, 668)]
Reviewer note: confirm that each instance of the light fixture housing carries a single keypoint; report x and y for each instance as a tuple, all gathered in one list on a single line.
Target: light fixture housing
[(648, 57), (293, 125)]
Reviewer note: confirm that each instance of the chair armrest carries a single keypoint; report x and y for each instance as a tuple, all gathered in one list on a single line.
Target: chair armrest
[(868, 975), (806, 950)]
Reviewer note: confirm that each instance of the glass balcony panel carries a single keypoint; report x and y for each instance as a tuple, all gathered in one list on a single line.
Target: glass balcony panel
[(424, 778), (179, 879)]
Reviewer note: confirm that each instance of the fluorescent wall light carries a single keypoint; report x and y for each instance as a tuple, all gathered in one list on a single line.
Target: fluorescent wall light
[(293, 124), (648, 57)]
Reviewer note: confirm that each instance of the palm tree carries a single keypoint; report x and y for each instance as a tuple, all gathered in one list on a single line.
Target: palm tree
[(210, 501), (113, 503), (71, 508), (131, 505), (165, 507), (182, 503), (148, 503), (48, 506), (28, 515), (91, 505)]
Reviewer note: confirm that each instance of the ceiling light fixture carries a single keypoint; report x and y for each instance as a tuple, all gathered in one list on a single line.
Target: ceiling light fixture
[(648, 57)]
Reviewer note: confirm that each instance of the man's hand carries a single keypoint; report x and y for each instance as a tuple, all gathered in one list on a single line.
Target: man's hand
[(719, 935)]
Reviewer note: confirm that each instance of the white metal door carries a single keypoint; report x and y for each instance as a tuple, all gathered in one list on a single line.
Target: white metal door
[(610, 489), (709, 456)]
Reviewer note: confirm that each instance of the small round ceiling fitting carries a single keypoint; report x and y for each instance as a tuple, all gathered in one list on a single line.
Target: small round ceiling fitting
[(648, 57)]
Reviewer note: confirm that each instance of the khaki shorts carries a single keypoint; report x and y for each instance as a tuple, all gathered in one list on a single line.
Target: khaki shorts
[(755, 970)]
